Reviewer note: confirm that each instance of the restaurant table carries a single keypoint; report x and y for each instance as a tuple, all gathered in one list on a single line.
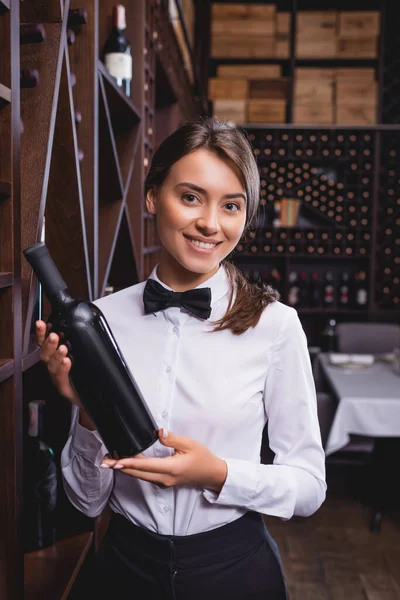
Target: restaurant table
[(368, 405)]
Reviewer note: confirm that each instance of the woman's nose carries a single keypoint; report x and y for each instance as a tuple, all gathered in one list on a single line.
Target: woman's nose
[(209, 221)]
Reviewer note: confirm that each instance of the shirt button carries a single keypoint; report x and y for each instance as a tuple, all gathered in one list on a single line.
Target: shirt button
[(167, 370), (164, 414), (174, 330), (166, 509)]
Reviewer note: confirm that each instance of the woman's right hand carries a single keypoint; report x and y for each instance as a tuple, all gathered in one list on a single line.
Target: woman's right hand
[(57, 361)]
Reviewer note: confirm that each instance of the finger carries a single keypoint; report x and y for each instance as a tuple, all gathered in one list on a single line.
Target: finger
[(40, 331), (56, 360), (110, 462), (48, 348), (151, 465)]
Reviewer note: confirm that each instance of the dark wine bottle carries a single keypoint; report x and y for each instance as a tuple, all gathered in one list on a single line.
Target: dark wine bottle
[(76, 17), (40, 483), (99, 373), (117, 51), (29, 78), (31, 33)]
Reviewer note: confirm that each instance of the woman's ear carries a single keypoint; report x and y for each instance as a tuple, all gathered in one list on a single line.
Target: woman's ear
[(151, 201)]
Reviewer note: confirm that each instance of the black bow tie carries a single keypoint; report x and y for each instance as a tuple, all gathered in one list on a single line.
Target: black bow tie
[(156, 297)]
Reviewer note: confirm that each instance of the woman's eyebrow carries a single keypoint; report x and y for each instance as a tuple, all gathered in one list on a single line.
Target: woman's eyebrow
[(200, 190)]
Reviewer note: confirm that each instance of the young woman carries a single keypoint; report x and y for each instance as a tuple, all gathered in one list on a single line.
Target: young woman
[(216, 359)]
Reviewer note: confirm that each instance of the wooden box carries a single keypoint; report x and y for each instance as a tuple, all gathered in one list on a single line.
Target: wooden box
[(356, 24), (249, 71), (230, 110), (223, 89), (312, 114), (316, 34), (269, 89), (357, 47), (353, 74), (355, 115), (266, 111), (243, 47), (357, 92), (314, 74), (283, 23), (242, 27), (244, 10), (312, 91)]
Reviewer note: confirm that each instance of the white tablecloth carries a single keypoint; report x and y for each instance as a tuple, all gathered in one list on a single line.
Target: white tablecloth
[(368, 402)]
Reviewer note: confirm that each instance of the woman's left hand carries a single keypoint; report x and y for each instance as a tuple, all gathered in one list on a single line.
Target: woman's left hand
[(192, 464)]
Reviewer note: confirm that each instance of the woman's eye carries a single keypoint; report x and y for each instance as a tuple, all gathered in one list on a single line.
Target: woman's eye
[(232, 207), (189, 198)]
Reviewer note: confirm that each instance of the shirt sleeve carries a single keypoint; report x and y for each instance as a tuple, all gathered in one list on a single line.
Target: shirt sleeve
[(87, 485), (295, 483)]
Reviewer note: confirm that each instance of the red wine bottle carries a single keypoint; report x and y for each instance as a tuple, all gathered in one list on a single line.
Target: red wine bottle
[(117, 51), (29, 78), (99, 373)]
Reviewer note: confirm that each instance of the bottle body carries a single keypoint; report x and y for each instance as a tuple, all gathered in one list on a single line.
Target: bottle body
[(99, 373)]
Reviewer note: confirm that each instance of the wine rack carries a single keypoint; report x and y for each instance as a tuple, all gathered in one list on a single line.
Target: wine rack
[(74, 152)]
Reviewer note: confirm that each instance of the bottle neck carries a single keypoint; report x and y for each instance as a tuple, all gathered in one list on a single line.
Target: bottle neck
[(119, 18)]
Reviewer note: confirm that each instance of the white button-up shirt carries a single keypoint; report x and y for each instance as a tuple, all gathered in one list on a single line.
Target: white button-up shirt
[(220, 389)]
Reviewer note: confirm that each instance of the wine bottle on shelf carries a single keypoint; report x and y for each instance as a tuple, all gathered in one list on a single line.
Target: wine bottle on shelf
[(315, 290), (29, 78), (99, 373), (293, 289), (329, 290), (76, 17), (117, 51), (31, 33), (40, 483), (304, 290), (361, 290), (344, 289), (70, 37)]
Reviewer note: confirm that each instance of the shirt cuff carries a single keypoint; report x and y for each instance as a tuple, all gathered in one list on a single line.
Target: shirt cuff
[(89, 444), (240, 485)]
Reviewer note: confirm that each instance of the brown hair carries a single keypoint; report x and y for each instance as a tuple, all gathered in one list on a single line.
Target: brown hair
[(228, 141)]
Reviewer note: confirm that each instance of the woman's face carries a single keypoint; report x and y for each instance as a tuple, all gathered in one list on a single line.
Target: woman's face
[(201, 214)]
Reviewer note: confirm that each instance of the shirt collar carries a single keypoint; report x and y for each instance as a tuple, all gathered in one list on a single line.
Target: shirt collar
[(219, 284)]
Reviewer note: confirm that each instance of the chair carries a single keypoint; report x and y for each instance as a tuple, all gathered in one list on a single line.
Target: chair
[(367, 338)]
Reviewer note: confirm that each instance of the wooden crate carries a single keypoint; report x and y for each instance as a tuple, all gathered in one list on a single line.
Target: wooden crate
[(243, 47), (269, 89), (356, 24), (355, 115), (242, 27), (249, 71), (314, 73), (266, 111), (283, 22), (357, 92), (316, 34), (243, 11), (230, 110), (312, 114), (353, 74), (312, 91), (357, 47), (222, 89)]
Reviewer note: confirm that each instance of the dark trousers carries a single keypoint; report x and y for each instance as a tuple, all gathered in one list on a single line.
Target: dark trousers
[(238, 561)]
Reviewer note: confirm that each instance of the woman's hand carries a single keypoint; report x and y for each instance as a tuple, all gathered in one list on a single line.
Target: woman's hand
[(192, 464)]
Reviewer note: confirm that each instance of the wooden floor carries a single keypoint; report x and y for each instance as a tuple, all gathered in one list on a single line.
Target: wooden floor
[(332, 555)]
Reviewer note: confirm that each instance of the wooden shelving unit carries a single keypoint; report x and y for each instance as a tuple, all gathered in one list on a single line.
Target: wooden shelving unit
[(83, 178)]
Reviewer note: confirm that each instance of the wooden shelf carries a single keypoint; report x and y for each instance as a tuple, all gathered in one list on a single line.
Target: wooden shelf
[(30, 359), (50, 573), (6, 280), (5, 95), (275, 255), (119, 104), (331, 311), (5, 189), (6, 368)]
